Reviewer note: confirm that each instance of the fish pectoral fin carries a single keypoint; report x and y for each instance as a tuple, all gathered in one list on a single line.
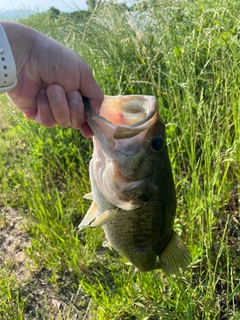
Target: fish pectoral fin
[(88, 196), (91, 214), (104, 217), (174, 256)]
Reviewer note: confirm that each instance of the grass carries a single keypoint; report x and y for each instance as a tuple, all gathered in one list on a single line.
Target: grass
[(187, 55)]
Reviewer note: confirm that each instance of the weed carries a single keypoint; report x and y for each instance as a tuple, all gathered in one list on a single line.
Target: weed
[(187, 55)]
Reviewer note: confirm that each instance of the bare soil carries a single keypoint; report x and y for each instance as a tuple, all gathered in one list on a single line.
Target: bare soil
[(43, 299)]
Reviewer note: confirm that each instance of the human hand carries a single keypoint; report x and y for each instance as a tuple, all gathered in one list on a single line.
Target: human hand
[(51, 80)]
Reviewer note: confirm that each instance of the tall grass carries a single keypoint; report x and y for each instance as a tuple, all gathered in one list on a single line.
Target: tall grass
[(187, 55)]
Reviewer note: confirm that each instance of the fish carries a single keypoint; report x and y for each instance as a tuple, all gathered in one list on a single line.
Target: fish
[(132, 188)]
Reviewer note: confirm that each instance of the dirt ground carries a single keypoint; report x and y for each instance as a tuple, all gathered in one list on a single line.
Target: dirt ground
[(43, 300), (64, 299)]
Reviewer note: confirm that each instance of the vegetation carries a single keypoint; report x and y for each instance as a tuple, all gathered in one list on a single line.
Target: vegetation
[(185, 53)]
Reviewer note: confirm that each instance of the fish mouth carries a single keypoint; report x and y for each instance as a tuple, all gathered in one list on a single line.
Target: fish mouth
[(123, 122)]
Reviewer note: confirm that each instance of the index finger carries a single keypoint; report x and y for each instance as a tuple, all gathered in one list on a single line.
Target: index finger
[(89, 88)]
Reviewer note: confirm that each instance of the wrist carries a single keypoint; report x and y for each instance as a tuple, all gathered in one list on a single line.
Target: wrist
[(8, 78)]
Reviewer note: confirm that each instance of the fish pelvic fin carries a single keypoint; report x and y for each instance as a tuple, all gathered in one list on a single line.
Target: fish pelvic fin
[(91, 214), (106, 244), (94, 218), (104, 217), (174, 256), (88, 196)]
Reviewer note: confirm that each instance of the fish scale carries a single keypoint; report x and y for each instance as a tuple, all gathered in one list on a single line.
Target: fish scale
[(133, 190)]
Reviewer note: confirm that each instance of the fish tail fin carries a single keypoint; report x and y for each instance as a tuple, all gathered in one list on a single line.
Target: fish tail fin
[(174, 256)]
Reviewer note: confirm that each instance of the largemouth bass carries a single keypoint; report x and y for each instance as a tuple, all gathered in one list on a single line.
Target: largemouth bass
[(133, 194)]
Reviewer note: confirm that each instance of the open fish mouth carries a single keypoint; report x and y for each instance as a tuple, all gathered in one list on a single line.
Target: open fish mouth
[(123, 120)]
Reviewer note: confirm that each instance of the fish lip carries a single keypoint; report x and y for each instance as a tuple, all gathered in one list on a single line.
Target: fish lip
[(92, 117), (108, 133)]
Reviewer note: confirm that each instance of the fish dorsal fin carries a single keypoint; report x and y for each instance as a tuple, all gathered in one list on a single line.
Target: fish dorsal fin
[(88, 196), (91, 214), (174, 256)]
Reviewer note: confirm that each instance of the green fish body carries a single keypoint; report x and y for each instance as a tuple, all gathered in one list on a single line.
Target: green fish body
[(133, 194)]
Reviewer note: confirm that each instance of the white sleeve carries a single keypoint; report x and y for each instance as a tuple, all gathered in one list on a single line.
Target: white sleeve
[(8, 78)]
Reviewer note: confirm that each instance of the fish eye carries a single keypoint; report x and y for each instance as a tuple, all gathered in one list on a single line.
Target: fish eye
[(157, 143)]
